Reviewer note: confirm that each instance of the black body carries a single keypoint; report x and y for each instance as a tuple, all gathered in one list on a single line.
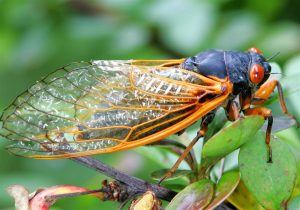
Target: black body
[(233, 64)]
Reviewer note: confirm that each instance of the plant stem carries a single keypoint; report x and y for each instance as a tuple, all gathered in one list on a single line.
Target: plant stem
[(134, 184)]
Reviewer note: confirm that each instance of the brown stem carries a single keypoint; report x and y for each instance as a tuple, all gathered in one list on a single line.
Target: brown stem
[(134, 184)]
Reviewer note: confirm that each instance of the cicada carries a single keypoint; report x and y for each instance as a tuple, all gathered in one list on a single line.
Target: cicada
[(104, 106)]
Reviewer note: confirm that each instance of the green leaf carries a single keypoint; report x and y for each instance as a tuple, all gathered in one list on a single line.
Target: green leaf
[(270, 183), (294, 204), (156, 175), (224, 188), (232, 137), (241, 198), (173, 186), (194, 196)]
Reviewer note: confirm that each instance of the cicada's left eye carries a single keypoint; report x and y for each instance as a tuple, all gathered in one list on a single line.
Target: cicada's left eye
[(256, 50), (257, 73)]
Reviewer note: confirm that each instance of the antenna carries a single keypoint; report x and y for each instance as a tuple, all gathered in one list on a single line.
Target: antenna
[(273, 56)]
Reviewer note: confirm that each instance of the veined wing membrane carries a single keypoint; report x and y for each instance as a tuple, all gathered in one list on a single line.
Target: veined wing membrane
[(106, 106)]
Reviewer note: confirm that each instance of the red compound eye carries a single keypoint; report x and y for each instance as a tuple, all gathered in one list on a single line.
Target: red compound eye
[(256, 73), (254, 49)]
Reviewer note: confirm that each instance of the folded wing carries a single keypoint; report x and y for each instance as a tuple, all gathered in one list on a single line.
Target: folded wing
[(104, 106)]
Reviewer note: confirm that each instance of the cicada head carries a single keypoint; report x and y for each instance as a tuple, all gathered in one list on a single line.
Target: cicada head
[(259, 68)]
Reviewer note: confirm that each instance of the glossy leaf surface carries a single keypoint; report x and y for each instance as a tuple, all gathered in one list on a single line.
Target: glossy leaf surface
[(270, 183), (232, 137), (194, 196), (241, 198), (224, 188)]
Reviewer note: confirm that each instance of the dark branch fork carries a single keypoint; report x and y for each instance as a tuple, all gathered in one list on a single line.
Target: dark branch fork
[(135, 185)]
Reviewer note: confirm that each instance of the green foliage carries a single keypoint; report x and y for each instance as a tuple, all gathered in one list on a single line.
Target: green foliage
[(37, 37), (194, 196), (225, 186), (242, 199), (270, 183), (232, 137)]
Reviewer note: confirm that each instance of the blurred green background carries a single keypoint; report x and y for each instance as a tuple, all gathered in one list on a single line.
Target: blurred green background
[(37, 37)]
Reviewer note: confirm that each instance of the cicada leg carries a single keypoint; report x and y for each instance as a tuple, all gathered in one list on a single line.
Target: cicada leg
[(204, 127), (232, 111), (263, 93), (267, 114), (233, 114)]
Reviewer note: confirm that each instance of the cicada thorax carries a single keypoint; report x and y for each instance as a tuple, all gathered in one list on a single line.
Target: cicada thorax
[(241, 68)]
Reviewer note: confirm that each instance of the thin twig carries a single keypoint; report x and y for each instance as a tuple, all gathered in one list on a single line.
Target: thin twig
[(136, 185)]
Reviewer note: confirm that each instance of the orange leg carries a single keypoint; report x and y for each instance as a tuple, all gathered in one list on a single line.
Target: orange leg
[(265, 91), (232, 111), (181, 158), (245, 101), (267, 114), (204, 127)]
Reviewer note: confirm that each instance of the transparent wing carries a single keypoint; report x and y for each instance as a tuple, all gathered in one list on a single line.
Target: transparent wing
[(104, 106)]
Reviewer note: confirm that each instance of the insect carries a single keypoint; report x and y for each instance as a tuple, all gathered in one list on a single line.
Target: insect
[(105, 106)]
